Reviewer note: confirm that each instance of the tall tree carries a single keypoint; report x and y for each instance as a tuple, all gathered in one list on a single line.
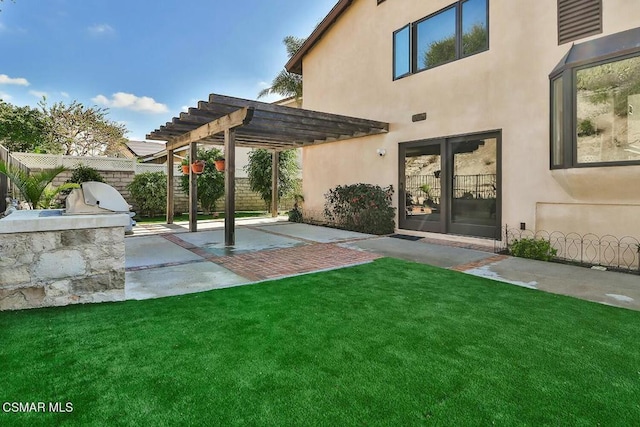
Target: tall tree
[(22, 128), (286, 83), (259, 173), (76, 130)]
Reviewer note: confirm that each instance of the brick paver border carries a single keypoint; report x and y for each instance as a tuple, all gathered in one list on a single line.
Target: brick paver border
[(274, 263), (312, 256)]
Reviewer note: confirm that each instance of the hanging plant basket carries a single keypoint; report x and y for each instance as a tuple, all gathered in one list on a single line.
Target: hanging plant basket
[(219, 165), (185, 169), (198, 167)]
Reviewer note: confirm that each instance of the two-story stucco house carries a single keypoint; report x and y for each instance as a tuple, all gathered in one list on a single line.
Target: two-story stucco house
[(514, 113)]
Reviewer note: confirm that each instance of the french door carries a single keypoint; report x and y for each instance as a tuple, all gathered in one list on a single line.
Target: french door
[(451, 185)]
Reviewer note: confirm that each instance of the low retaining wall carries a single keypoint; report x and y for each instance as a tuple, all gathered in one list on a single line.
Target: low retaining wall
[(61, 260)]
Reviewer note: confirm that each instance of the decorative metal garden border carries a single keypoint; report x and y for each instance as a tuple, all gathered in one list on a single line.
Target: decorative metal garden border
[(610, 251)]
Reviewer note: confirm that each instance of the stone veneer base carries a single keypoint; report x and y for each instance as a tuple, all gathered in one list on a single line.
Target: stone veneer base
[(61, 260)]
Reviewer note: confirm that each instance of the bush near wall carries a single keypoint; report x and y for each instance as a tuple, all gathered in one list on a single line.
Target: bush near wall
[(149, 191), (539, 249), (364, 208)]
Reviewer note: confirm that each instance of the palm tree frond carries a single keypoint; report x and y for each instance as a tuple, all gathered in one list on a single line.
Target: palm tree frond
[(31, 186)]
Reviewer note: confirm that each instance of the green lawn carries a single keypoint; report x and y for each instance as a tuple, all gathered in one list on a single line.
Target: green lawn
[(201, 217), (390, 343)]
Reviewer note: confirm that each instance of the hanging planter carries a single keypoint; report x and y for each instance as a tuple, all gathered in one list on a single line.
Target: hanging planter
[(185, 169), (198, 166), (219, 165)]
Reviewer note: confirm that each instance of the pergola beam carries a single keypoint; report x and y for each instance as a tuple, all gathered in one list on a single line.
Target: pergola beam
[(237, 118)]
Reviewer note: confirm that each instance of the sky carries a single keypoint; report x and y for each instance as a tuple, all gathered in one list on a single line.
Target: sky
[(146, 60)]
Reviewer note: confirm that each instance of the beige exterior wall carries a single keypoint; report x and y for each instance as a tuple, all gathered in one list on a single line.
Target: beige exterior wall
[(506, 88)]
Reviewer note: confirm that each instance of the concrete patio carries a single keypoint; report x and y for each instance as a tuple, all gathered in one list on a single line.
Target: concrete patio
[(164, 260)]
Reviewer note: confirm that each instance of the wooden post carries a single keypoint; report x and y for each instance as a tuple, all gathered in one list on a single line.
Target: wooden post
[(275, 157), (193, 189), (229, 187), (170, 193)]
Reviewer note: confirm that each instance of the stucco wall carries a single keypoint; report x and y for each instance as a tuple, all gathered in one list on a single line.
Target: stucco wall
[(505, 88)]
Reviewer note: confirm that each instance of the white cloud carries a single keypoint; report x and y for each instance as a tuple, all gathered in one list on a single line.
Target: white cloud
[(5, 97), (6, 80), (38, 93), (101, 29), (131, 102), (64, 94), (185, 108), (11, 30)]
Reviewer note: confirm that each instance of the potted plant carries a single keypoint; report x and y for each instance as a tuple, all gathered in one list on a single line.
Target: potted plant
[(219, 161), (185, 166), (198, 166)]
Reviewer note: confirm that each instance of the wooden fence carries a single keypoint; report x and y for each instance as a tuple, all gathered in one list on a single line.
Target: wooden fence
[(7, 188)]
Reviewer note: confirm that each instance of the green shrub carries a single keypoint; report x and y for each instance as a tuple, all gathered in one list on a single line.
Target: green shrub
[(210, 182), (149, 192), (295, 214), (79, 175), (586, 128), (539, 249), (364, 208), (83, 173)]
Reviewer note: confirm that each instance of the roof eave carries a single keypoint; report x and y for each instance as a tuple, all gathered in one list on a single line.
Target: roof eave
[(295, 63)]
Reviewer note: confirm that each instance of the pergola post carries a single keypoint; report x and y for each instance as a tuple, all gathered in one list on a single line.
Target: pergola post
[(275, 157), (193, 189), (170, 192), (230, 187)]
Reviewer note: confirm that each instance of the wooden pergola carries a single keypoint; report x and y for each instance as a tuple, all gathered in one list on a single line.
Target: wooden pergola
[(235, 122)]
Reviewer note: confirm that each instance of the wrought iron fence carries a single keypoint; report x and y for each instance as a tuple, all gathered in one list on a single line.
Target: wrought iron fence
[(415, 184), (479, 186), (622, 253)]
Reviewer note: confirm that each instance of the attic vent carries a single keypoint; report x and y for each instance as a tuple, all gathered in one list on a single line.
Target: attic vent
[(578, 19)]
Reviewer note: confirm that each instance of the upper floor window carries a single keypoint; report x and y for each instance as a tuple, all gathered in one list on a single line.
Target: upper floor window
[(454, 32), (401, 52), (595, 103)]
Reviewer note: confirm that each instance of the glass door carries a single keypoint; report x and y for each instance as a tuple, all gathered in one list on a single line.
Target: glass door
[(474, 186), (451, 185), (421, 189)]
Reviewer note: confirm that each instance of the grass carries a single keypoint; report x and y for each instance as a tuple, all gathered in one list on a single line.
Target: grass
[(185, 217), (388, 343)]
